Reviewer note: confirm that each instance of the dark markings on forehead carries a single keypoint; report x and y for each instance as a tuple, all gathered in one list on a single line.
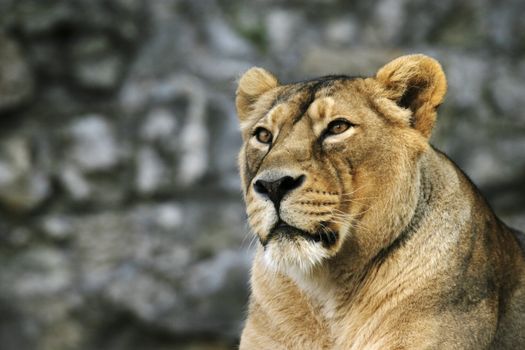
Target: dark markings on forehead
[(310, 88), (329, 79)]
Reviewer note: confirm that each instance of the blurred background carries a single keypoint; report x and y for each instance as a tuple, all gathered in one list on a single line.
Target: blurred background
[(121, 219)]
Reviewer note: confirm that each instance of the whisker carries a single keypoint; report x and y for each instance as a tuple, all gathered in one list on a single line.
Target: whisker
[(361, 212), (253, 241), (355, 190), (247, 233), (344, 218)]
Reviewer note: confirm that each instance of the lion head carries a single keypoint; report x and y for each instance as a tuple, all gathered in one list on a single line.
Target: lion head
[(331, 164)]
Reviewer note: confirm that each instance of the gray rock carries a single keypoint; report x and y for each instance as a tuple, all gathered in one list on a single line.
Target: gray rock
[(57, 227), (490, 161), (321, 60), (508, 91), (192, 145), (342, 31), (224, 39), (389, 21), (95, 64), (138, 262), (466, 77), (208, 277), (93, 144), (142, 294), (75, 183), (225, 140), (282, 27), (90, 162), (130, 6), (169, 216), (39, 272), (504, 26), (18, 237), (102, 73), (23, 186), (219, 68), (194, 158), (35, 18), (152, 174), (160, 125), (16, 80)]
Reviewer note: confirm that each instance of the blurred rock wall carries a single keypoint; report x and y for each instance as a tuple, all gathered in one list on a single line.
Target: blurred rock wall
[(121, 221)]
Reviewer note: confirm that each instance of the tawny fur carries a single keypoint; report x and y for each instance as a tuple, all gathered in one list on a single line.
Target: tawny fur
[(420, 262)]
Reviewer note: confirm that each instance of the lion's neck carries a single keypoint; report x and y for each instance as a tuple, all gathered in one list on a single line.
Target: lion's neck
[(320, 287)]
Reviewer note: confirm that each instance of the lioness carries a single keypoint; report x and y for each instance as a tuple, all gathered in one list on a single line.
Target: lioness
[(370, 238)]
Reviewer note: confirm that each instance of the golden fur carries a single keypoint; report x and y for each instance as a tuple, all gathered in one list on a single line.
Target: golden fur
[(376, 240)]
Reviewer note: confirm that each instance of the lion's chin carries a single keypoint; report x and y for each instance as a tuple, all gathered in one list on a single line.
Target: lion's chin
[(294, 254)]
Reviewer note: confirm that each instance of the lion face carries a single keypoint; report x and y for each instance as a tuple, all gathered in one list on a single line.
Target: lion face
[(317, 158)]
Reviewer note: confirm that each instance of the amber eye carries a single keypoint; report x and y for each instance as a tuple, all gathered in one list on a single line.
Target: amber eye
[(263, 135), (338, 126)]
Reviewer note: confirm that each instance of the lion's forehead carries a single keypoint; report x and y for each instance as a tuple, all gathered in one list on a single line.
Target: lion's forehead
[(315, 99)]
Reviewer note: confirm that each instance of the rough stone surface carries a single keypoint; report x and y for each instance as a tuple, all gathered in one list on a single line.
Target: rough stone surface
[(23, 186), (16, 81), (121, 220)]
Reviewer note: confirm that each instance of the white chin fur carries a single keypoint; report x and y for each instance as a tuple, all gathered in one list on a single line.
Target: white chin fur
[(292, 256)]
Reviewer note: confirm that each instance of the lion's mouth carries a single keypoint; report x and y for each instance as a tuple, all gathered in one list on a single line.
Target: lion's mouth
[(281, 229)]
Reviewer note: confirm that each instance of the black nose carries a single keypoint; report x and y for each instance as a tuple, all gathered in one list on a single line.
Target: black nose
[(276, 190)]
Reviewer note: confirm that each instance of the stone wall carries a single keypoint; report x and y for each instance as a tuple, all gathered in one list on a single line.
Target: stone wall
[(121, 221)]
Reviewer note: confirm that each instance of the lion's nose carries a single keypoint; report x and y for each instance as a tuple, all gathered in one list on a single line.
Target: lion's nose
[(277, 189)]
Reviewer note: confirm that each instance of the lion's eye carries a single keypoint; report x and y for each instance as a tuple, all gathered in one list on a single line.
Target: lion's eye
[(338, 127), (263, 135)]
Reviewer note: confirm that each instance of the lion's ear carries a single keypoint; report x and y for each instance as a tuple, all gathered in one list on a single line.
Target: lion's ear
[(416, 82), (252, 85)]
